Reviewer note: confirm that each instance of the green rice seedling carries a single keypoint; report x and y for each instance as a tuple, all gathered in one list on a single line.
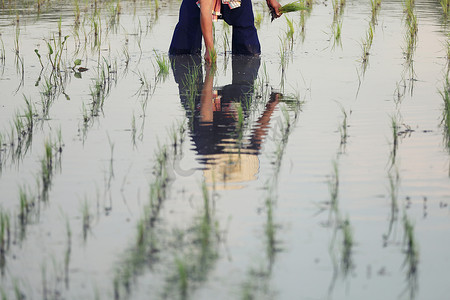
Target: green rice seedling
[(17, 39), (182, 277), (258, 19), (445, 94), (283, 55), (163, 65), (335, 4), (77, 13), (291, 7), (445, 4), (290, 32), (59, 27), (337, 33), (375, 7)]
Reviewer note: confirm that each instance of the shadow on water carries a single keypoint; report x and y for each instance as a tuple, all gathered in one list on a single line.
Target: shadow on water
[(226, 141)]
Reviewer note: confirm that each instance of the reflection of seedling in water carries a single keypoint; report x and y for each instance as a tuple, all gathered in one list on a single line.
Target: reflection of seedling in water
[(2, 52), (46, 170), (347, 246), (5, 237), (86, 218), (39, 57), (411, 255), (190, 83), (343, 127), (394, 181), (182, 277), (394, 127), (27, 204)]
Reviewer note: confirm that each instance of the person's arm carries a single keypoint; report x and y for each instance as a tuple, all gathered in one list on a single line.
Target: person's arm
[(207, 28)]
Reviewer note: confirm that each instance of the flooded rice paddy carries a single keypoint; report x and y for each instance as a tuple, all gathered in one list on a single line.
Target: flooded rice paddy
[(319, 170)]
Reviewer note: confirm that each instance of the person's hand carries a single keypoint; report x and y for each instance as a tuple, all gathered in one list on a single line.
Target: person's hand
[(210, 56), (274, 7)]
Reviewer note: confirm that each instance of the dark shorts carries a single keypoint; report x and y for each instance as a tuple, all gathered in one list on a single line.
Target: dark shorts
[(187, 37)]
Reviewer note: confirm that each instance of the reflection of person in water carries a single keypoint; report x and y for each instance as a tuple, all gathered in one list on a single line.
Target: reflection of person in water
[(216, 128)]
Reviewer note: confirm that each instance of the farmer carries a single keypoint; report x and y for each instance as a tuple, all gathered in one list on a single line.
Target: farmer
[(195, 21)]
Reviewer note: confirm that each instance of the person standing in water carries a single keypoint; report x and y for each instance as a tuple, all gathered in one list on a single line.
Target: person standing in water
[(195, 22)]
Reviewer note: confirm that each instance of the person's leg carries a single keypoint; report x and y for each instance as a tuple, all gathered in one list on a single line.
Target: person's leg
[(245, 37), (187, 36)]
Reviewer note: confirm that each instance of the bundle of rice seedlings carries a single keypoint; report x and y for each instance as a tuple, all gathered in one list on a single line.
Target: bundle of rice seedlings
[(290, 7)]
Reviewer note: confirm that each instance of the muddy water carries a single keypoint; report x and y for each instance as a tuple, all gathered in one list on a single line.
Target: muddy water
[(294, 209)]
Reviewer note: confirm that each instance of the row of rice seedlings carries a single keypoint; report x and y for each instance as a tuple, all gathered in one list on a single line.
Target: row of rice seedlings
[(17, 38), (193, 267), (342, 243), (256, 285), (145, 244), (21, 134)]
